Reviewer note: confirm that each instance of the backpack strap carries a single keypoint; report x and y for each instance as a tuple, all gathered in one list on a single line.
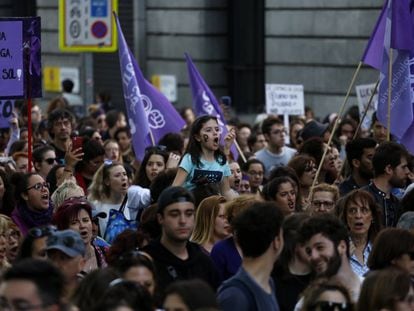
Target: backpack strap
[(124, 202)]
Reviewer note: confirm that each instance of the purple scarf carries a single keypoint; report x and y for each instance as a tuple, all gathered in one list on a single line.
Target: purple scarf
[(32, 218)]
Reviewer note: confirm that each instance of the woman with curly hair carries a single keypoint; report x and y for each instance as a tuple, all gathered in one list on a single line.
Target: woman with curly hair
[(211, 223)]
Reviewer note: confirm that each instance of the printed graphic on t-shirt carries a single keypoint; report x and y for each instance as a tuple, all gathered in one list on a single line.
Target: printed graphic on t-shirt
[(202, 177)]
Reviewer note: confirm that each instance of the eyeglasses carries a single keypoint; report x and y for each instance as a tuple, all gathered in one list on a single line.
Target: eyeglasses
[(156, 148), (50, 161), (67, 241), (331, 306), (18, 305), (40, 232), (39, 186), (12, 233), (319, 204), (354, 210)]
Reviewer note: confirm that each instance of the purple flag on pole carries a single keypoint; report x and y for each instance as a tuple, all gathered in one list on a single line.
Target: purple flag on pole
[(150, 114), (204, 101), (398, 37), (373, 52)]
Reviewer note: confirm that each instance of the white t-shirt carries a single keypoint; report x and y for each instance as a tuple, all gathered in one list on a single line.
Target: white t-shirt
[(138, 198)]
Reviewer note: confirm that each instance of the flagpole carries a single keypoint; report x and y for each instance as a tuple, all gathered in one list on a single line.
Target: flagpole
[(341, 111), (240, 151), (366, 109), (389, 96), (151, 137)]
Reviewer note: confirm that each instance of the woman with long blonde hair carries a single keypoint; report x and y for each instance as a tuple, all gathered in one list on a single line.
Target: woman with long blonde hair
[(211, 223), (110, 186)]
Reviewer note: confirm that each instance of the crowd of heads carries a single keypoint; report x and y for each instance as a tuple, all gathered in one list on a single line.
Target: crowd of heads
[(316, 218)]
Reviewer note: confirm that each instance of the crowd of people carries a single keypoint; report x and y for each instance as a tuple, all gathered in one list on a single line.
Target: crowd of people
[(195, 226)]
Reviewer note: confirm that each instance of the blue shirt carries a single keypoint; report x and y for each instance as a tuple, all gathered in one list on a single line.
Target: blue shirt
[(357, 267), (207, 173)]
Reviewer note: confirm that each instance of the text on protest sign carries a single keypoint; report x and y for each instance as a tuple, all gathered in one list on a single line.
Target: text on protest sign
[(285, 99), (11, 58), (364, 93), (6, 110)]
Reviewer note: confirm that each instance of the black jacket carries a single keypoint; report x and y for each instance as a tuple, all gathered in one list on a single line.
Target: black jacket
[(170, 268)]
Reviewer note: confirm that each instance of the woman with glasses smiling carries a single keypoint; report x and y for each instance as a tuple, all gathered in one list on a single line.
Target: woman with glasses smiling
[(33, 206)]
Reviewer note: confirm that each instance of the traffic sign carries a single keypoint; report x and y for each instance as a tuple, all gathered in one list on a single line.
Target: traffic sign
[(87, 25)]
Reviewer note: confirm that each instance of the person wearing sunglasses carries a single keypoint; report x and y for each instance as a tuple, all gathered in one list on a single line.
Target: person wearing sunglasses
[(34, 243), (33, 206), (44, 158), (326, 295), (326, 242)]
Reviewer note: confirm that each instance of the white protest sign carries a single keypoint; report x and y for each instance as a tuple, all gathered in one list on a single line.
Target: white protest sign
[(363, 93), (286, 99)]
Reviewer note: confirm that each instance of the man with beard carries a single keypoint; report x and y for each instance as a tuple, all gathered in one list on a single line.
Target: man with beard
[(326, 242), (359, 153), (175, 257), (60, 125), (390, 171)]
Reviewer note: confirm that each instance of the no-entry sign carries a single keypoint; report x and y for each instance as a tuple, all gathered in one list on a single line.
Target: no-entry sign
[(87, 25)]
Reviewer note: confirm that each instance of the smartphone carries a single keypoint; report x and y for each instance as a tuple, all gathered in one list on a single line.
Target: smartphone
[(77, 142)]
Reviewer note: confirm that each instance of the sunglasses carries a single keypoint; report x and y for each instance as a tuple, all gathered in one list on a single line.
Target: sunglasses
[(331, 306), (67, 241), (41, 232), (39, 186), (50, 161)]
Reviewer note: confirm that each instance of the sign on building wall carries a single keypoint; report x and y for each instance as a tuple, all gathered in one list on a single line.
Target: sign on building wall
[(285, 99), (87, 25), (167, 84), (53, 77)]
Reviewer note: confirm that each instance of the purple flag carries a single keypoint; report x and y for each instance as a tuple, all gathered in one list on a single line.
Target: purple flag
[(400, 38), (150, 114), (373, 52), (204, 101)]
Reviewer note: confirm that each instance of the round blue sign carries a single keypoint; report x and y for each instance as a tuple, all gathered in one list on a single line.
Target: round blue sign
[(99, 29)]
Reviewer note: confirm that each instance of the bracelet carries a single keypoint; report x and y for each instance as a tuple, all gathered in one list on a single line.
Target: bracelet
[(68, 170)]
